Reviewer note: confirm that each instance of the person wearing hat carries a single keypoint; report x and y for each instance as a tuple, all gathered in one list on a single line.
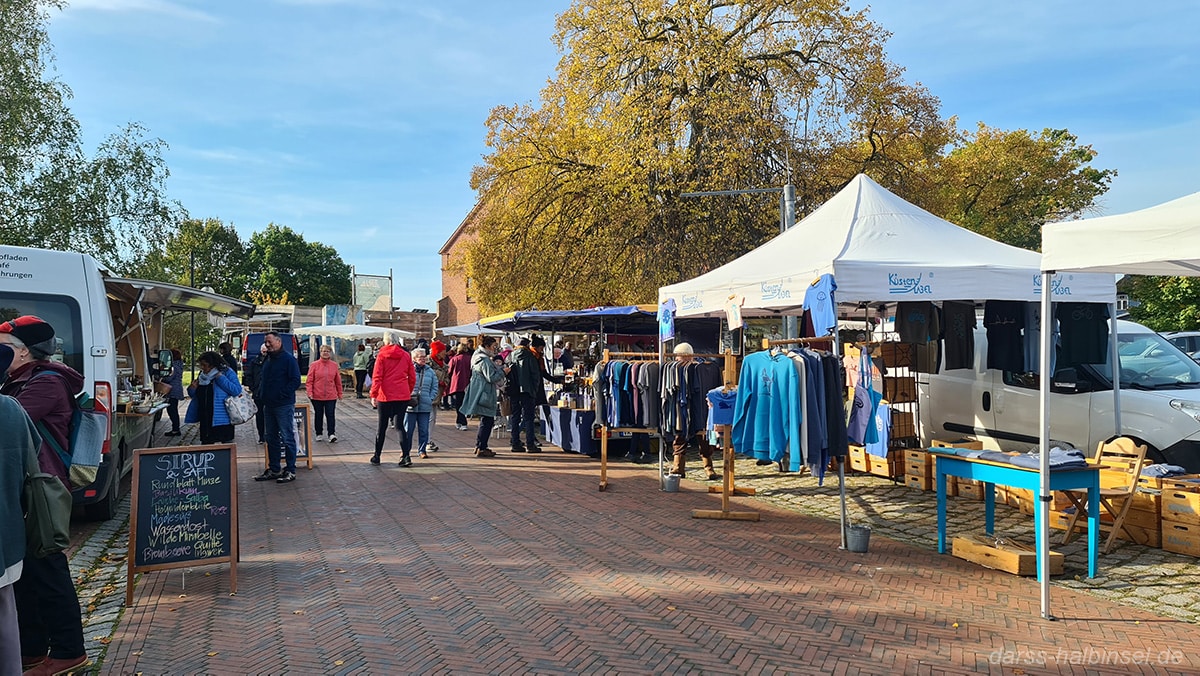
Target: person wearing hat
[(16, 443), (47, 605), (684, 354)]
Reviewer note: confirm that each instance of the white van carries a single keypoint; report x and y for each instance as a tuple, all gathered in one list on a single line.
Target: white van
[(103, 326), (1160, 401)]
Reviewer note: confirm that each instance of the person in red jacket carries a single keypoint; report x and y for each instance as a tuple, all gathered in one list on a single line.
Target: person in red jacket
[(459, 371), (391, 389), (324, 387)]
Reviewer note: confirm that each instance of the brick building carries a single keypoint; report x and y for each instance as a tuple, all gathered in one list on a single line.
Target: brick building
[(457, 305)]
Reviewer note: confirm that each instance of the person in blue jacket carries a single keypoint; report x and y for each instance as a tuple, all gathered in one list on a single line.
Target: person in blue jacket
[(208, 391), (276, 388), (424, 396)]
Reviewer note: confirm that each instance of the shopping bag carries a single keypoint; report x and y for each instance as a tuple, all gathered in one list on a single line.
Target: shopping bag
[(241, 408), (47, 509)]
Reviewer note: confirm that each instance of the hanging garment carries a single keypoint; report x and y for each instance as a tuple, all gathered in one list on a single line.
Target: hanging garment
[(861, 428), (959, 328), (820, 306), (883, 426), (767, 416), (1003, 320), (1083, 330), (917, 322)]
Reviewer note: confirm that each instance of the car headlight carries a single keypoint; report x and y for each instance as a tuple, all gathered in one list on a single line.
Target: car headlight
[(1191, 408)]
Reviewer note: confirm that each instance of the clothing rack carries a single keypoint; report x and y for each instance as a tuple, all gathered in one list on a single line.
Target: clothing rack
[(833, 342), (605, 429)]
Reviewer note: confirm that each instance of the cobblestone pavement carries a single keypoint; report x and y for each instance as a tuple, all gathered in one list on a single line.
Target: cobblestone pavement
[(1151, 580)]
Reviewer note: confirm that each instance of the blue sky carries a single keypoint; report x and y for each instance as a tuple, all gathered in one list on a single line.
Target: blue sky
[(357, 122)]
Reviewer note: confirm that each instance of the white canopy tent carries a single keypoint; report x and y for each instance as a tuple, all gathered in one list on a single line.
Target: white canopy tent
[(350, 331), (1160, 240), (878, 247)]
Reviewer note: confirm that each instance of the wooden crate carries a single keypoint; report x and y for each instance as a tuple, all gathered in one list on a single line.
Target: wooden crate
[(903, 425), (970, 489), (891, 467), (973, 444), (897, 354), (1181, 538), (1006, 555), (858, 458), (1187, 482), (920, 483), (900, 389), (1149, 536), (1180, 506), (913, 455)]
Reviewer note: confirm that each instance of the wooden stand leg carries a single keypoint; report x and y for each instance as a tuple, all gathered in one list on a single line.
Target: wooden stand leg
[(727, 488), (603, 458)]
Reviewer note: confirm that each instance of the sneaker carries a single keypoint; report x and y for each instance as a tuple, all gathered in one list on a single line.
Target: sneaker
[(433, 447), (422, 455), (320, 437), (642, 459), (517, 449), (261, 440), (285, 478), (375, 459), (406, 462), (485, 453), (534, 448), (268, 475), (460, 428), (172, 433), (333, 438)]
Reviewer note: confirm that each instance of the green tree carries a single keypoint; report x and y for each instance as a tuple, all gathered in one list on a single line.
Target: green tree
[(200, 253), (1008, 184), (286, 268), (52, 195), (1165, 303)]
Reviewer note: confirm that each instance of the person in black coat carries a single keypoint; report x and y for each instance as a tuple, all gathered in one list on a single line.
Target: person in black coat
[(251, 380)]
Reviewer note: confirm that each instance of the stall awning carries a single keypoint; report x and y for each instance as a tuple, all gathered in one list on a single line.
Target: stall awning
[(350, 331), (467, 330), (163, 296), (625, 319)]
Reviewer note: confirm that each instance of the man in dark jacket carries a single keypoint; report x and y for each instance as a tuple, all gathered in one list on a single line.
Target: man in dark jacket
[(278, 381), (250, 380), (47, 605)]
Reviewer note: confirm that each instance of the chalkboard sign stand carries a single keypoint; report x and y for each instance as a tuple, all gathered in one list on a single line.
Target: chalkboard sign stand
[(302, 419), (183, 510)]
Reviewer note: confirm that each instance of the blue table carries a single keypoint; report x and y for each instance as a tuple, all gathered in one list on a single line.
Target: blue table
[(992, 473)]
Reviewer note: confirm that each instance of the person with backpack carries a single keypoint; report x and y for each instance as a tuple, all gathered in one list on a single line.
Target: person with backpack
[(48, 612)]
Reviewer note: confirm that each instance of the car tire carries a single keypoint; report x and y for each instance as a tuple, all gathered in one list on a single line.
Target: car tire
[(106, 509)]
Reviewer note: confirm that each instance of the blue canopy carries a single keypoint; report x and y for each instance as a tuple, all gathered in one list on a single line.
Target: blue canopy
[(625, 319)]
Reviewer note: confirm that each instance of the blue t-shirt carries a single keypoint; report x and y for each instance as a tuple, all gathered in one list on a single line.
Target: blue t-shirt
[(721, 406), (820, 304), (883, 425), (666, 319)]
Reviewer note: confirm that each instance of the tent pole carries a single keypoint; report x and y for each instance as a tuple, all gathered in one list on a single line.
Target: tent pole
[(837, 352), (1044, 497), (1114, 358)]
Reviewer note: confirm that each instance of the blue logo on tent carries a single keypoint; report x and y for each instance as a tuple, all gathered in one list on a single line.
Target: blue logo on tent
[(912, 286), (775, 292), (1059, 286), (692, 302)]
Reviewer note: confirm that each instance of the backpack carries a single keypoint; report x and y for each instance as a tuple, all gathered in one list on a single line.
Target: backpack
[(85, 438)]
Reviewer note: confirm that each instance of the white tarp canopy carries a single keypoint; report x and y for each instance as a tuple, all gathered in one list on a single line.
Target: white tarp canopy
[(1160, 240), (878, 247), (350, 331), (467, 331)]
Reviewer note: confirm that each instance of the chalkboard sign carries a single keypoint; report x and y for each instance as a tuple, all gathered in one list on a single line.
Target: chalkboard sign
[(184, 509), (302, 423)]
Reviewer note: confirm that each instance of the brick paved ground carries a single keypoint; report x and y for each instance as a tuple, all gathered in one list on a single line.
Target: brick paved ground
[(518, 564)]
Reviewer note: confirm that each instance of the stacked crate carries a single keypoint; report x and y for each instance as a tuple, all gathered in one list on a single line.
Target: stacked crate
[(963, 488), (891, 467), (1143, 523), (1180, 515), (918, 469)]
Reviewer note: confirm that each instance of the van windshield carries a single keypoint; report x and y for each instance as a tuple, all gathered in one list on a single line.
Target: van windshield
[(61, 312), (1151, 362)]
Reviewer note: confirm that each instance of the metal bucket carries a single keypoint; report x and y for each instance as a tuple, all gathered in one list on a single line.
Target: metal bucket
[(670, 483), (858, 538)]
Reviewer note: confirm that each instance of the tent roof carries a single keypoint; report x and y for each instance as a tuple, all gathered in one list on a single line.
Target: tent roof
[(350, 331), (467, 330), (1159, 240), (878, 247), (164, 296), (627, 319)]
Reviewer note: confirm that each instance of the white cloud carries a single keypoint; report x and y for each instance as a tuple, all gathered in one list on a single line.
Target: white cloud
[(142, 6)]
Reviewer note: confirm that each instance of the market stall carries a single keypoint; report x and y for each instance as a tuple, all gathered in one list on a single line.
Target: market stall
[(875, 248), (1160, 240)]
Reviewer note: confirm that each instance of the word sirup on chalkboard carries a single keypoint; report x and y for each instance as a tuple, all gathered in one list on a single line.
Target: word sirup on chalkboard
[(184, 509)]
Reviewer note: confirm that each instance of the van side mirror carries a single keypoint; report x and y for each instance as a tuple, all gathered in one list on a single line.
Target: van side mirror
[(1067, 381), (164, 362)]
